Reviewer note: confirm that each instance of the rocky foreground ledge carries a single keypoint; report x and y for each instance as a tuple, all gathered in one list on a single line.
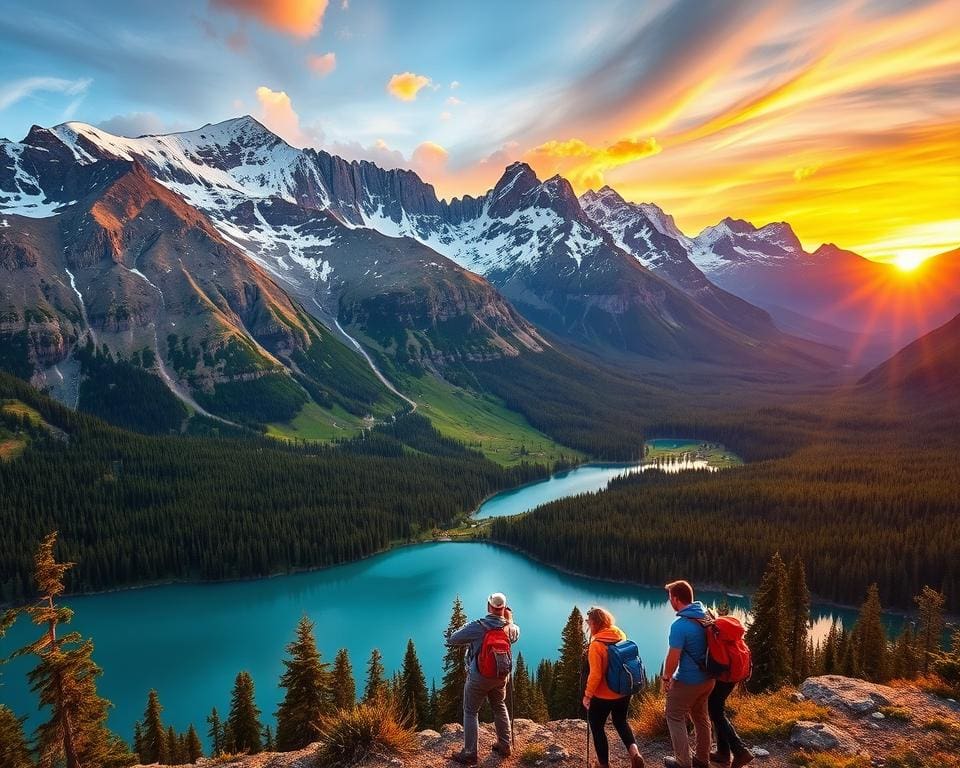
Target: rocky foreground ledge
[(858, 724)]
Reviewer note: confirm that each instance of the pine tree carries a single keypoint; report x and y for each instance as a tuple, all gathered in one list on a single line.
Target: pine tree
[(434, 723), (308, 695), (768, 631), (13, 745), (567, 692), (903, 663), (450, 696), (244, 718), (173, 748), (377, 686), (412, 695), (798, 616), (930, 605), (529, 698), (138, 740), (154, 738), (830, 652), (849, 659), (229, 743), (344, 687), (215, 733), (544, 679), (194, 749), (269, 745), (872, 638), (65, 679)]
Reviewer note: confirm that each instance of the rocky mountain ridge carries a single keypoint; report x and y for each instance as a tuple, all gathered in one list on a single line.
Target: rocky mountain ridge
[(530, 239)]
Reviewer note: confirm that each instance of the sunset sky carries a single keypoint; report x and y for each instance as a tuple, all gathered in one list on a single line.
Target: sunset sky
[(841, 117)]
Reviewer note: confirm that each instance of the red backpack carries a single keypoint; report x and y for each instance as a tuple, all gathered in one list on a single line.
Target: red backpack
[(495, 658), (728, 658)]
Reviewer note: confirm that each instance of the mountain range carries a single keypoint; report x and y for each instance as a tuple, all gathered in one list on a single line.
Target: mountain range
[(235, 266)]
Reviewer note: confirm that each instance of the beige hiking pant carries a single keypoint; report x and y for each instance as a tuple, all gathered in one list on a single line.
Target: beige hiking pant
[(685, 700)]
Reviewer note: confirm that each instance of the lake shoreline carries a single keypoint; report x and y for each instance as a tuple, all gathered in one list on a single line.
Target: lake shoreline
[(706, 587), (471, 516)]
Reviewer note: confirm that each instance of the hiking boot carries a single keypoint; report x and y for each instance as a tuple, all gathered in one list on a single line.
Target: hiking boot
[(741, 757), (636, 761), (502, 748), (721, 757), (464, 758)]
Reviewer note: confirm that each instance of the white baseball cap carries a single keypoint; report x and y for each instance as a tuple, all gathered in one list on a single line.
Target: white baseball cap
[(497, 600)]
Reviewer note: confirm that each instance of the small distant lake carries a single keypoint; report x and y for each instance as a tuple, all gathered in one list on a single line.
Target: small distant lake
[(663, 454)]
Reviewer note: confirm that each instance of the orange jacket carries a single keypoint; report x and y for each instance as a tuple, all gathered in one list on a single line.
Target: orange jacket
[(597, 658)]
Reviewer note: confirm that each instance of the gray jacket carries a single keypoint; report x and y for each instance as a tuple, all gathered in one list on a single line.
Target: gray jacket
[(472, 634)]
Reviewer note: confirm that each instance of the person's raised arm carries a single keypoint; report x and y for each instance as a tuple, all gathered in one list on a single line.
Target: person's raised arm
[(466, 634)]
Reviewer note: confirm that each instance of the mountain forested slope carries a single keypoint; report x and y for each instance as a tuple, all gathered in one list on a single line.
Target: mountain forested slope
[(133, 509)]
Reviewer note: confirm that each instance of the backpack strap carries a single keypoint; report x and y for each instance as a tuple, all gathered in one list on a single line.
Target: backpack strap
[(703, 623)]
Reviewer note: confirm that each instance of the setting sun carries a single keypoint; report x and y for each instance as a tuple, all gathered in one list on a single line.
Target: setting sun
[(907, 262)]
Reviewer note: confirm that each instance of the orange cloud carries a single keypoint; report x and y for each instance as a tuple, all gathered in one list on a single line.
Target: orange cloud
[(585, 164), (406, 85), (429, 158), (301, 18), (277, 113), (322, 64)]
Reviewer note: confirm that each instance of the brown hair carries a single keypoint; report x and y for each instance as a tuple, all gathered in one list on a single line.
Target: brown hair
[(600, 617), (681, 590)]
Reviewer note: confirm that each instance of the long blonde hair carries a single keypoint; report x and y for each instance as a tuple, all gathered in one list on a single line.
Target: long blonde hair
[(600, 618)]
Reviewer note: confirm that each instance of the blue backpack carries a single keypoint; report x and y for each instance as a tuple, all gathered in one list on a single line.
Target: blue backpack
[(625, 672)]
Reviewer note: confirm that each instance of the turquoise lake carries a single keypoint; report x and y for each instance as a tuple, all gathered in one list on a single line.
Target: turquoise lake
[(189, 641), (587, 478)]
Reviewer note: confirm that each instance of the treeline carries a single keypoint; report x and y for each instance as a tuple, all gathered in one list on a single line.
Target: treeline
[(318, 696), (883, 515), (135, 509), (608, 413), (124, 394)]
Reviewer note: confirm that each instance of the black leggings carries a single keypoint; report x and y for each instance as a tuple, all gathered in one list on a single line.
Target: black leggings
[(727, 738), (600, 710)]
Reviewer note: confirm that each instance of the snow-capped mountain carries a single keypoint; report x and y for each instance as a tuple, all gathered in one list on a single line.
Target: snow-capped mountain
[(335, 233), (650, 235), (188, 252)]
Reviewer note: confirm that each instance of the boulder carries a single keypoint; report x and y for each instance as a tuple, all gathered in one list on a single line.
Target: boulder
[(857, 696), (820, 737)]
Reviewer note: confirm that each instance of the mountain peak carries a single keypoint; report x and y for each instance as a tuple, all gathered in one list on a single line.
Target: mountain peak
[(741, 226), (245, 130), (518, 179)]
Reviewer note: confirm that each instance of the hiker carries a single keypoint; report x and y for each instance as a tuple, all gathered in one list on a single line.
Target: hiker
[(685, 679), (599, 699), (736, 665), (489, 664)]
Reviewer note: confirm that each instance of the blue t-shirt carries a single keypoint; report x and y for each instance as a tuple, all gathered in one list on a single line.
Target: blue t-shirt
[(691, 639)]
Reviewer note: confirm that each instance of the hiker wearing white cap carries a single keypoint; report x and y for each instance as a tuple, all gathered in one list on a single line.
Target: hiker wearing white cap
[(489, 665)]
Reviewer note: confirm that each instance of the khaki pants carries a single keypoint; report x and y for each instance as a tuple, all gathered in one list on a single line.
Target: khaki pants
[(685, 700)]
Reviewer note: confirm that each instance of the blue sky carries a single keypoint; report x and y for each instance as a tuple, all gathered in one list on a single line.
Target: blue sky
[(839, 116)]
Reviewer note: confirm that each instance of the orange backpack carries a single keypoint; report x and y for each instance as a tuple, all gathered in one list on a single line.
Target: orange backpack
[(728, 658)]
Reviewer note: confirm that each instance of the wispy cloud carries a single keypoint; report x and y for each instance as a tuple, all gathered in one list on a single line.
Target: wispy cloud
[(13, 92)]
